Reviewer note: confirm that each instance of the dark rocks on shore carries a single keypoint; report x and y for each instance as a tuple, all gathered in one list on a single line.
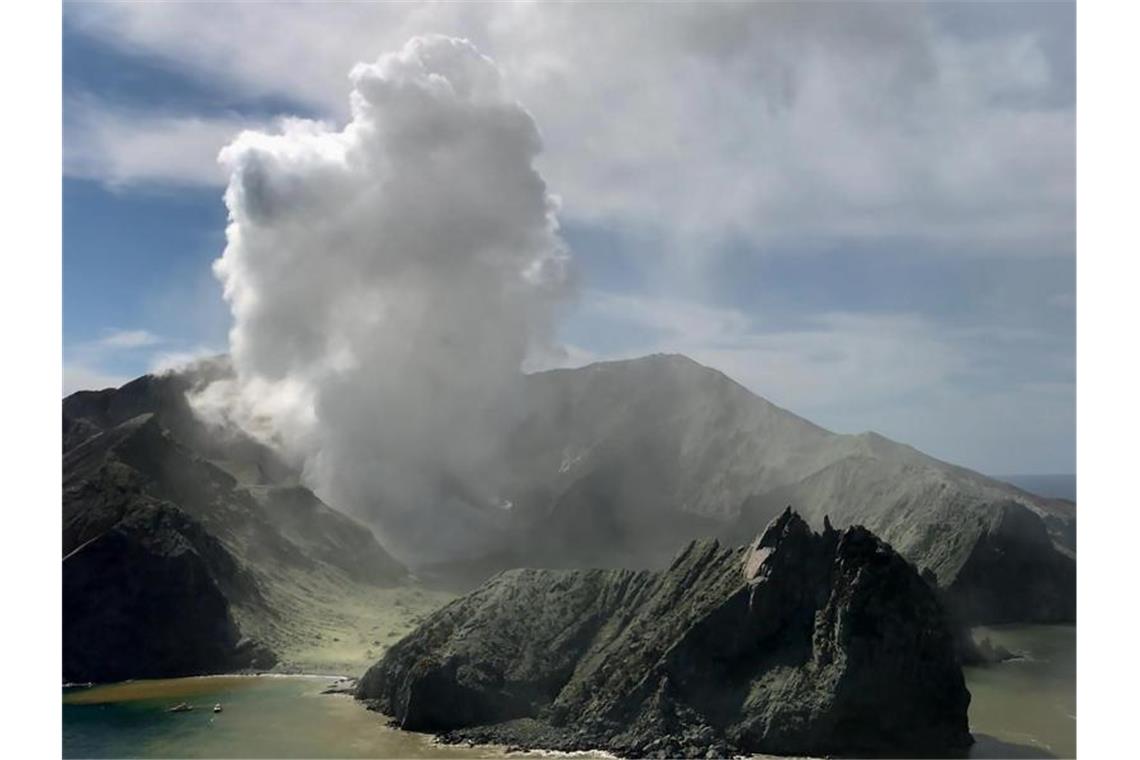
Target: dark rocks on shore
[(993, 653), (802, 643), (343, 685), (984, 651)]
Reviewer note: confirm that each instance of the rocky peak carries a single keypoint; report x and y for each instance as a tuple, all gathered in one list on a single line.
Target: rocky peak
[(788, 530), (826, 643)]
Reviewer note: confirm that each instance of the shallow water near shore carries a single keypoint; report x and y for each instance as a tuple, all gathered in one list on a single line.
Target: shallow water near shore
[(263, 716), (1026, 707), (1022, 708)]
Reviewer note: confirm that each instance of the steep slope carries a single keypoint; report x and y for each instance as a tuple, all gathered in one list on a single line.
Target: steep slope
[(618, 463), (803, 643), (144, 599), (163, 544), (985, 544), (86, 413)]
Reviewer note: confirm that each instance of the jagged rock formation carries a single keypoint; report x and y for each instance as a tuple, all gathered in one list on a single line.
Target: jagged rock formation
[(801, 643), (618, 464), (187, 549)]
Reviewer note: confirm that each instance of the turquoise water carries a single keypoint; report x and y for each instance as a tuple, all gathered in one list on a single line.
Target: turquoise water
[(1022, 708)]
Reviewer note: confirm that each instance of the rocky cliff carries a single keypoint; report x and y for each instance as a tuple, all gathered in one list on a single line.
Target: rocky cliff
[(188, 549), (811, 643), (144, 599)]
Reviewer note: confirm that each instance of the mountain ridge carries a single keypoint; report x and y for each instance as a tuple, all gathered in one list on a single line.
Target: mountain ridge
[(626, 448), (868, 441), (175, 565), (619, 463)]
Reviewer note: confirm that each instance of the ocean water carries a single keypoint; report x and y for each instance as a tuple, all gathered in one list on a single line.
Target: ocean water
[(1049, 486), (1022, 708)]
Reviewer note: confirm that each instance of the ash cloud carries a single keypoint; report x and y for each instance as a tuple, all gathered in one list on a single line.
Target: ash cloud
[(387, 280)]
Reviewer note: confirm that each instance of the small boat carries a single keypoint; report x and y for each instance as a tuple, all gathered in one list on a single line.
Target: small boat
[(218, 708), (180, 707)]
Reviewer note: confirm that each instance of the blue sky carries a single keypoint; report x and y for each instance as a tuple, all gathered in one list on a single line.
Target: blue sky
[(872, 227)]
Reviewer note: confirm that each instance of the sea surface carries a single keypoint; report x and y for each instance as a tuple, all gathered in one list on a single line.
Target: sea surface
[(1022, 708), (1049, 486)]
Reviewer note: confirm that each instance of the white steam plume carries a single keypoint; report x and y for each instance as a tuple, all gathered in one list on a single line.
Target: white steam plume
[(386, 282)]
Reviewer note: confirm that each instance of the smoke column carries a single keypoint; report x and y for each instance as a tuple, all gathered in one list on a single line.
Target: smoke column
[(386, 282)]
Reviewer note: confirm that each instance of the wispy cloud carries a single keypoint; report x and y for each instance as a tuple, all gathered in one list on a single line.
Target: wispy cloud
[(125, 339), (123, 147), (99, 363), (77, 377)]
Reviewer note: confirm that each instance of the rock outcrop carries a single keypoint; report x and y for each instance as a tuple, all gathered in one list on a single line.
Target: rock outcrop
[(189, 549), (802, 643)]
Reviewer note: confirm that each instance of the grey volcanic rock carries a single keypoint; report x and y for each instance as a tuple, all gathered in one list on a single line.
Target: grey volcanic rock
[(801, 643), (285, 524), (619, 464), (1012, 574), (87, 413), (142, 600), (188, 549)]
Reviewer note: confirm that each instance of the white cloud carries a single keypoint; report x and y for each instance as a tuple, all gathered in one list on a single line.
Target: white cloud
[(112, 343), (123, 147), (386, 282), (776, 123), (126, 339)]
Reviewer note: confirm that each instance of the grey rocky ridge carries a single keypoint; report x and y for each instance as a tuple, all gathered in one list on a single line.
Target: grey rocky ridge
[(618, 463), (189, 551), (801, 643)]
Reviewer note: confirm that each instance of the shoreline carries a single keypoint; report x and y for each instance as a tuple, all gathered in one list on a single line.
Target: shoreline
[(378, 721), (266, 674), (999, 719)]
